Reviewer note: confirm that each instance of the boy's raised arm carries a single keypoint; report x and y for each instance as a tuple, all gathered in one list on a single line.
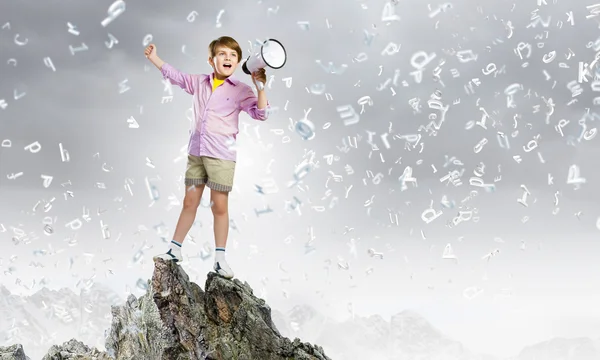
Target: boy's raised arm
[(175, 77), (156, 61), (249, 104)]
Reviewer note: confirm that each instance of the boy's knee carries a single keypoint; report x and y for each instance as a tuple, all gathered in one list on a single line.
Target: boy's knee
[(219, 209), (192, 198), (191, 204)]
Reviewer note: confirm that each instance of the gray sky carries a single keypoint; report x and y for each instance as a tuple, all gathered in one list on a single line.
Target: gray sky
[(552, 279)]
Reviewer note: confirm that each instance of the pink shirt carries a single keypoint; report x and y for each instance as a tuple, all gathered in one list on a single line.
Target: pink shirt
[(215, 115)]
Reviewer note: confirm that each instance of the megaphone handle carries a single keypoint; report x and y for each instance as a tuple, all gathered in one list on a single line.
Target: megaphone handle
[(261, 86)]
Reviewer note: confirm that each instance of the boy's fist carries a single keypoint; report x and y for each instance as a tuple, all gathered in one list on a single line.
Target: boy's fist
[(260, 76), (150, 50)]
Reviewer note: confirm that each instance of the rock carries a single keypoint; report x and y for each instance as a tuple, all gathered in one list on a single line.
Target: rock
[(177, 320), (13, 352), (136, 329), (74, 349), (226, 321)]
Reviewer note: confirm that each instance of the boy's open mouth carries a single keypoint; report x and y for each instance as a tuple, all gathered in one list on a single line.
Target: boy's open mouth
[(227, 65)]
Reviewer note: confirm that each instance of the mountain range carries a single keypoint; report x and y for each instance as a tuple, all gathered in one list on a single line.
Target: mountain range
[(54, 316)]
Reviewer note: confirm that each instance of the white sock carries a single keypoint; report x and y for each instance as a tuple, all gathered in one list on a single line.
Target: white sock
[(174, 245), (219, 254)]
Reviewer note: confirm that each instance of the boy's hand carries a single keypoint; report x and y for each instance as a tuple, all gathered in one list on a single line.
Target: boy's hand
[(261, 76), (150, 51)]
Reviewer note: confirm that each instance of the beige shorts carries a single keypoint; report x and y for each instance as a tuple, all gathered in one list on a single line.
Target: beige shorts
[(217, 174)]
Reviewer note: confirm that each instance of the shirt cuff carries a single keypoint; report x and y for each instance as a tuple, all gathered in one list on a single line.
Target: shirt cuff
[(165, 69), (264, 113)]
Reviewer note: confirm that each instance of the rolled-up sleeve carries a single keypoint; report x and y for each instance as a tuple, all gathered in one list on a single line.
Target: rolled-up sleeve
[(179, 78), (249, 104)]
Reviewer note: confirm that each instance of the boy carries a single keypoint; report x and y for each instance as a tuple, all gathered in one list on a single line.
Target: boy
[(218, 99)]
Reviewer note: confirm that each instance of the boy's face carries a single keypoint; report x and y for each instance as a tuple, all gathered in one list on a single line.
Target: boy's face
[(225, 62)]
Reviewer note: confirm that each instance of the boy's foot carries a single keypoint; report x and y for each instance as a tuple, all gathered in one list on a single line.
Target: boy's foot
[(172, 254), (222, 268)]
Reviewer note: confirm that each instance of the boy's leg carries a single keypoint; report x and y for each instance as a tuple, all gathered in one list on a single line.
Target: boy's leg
[(195, 180), (220, 181), (220, 210), (191, 200)]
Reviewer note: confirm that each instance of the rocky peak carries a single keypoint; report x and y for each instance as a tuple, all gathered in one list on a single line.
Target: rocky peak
[(13, 352), (176, 319)]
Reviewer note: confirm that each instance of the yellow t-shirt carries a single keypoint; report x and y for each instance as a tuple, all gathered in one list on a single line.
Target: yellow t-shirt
[(216, 83)]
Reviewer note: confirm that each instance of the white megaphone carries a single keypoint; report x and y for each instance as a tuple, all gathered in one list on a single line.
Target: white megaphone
[(271, 54)]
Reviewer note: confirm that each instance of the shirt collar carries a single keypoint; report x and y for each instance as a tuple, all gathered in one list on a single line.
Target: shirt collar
[(231, 79)]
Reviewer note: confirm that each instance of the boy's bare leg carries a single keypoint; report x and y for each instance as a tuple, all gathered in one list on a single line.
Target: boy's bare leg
[(191, 201), (220, 210)]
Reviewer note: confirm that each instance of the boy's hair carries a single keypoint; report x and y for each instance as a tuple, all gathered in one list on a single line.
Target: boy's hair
[(227, 42)]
